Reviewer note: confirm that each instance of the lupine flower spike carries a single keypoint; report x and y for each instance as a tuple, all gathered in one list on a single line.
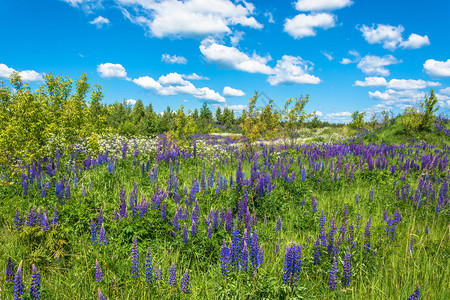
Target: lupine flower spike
[(185, 282), (135, 260), (98, 272), (35, 283), (18, 283)]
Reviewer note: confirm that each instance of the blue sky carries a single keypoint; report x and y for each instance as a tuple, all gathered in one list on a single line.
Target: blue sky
[(346, 54)]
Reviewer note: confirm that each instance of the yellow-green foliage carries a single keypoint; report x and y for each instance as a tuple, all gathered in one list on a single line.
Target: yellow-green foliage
[(28, 119)]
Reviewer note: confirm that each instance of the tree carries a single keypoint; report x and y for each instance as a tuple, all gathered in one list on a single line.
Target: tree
[(293, 116), (357, 120), (428, 108), (219, 116)]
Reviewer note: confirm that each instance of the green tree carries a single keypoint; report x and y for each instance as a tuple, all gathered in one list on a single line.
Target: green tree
[(428, 108), (357, 120)]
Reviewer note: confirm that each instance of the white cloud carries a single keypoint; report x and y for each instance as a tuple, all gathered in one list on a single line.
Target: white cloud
[(189, 18), (391, 37), (269, 16), (398, 98), (314, 5), (236, 37), (355, 59), (26, 75), (437, 68), (231, 57), (319, 113), (371, 81), (329, 56), (445, 91), (410, 84), (5, 71), (303, 25), (86, 5), (174, 84), (100, 22), (375, 65), (292, 70), (340, 114), (230, 92), (130, 102), (237, 107), (194, 76), (415, 41), (173, 59), (109, 70)]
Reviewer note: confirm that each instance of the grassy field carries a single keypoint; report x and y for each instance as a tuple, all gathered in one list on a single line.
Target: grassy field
[(393, 197)]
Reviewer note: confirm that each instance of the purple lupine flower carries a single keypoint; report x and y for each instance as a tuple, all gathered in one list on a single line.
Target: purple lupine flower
[(40, 218), (102, 236), (18, 283), (303, 201), (333, 229), (234, 248), (224, 258), (333, 273), (194, 228), (367, 234), (176, 223), (357, 199), (314, 204), (159, 275), (173, 234), (351, 233), (100, 295), (83, 191), (277, 246), (229, 220), (254, 251), (9, 271), (322, 231), (209, 231), (172, 275), (244, 256), (385, 215), (347, 268), (292, 263), (185, 234), (93, 233), (358, 220), (345, 214), (426, 229), (317, 251), (215, 222), (55, 216), (278, 226), (135, 260), (17, 220), (35, 283), (412, 247), (98, 272), (185, 282), (416, 294), (68, 190)]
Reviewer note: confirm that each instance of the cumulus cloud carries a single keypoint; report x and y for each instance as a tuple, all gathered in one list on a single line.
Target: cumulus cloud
[(230, 92), (194, 76), (355, 59), (319, 113), (314, 5), (292, 70), (375, 65), (174, 84), (445, 91), (189, 18), (391, 37), (398, 98), (236, 37), (397, 84), (173, 59), (303, 25), (236, 107), (109, 70), (371, 81), (26, 75), (437, 68), (130, 102), (232, 58), (100, 22), (338, 116)]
